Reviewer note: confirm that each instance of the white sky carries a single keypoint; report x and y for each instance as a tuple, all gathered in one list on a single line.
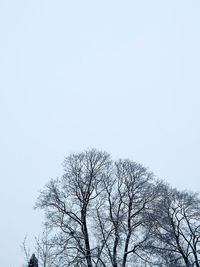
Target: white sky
[(121, 76)]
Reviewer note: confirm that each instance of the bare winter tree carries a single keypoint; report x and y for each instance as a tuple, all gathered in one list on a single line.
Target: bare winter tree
[(48, 251), (121, 215), (45, 249), (26, 250), (67, 202), (175, 227)]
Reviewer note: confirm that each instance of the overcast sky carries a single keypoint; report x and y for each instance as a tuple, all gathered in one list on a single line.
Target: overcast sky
[(120, 76)]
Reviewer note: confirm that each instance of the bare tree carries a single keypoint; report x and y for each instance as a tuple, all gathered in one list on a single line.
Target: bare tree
[(26, 250), (175, 227), (48, 251), (121, 215), (44, 248), (67, 202)]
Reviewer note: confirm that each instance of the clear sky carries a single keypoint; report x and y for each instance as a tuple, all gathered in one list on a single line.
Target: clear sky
[(121, 76)]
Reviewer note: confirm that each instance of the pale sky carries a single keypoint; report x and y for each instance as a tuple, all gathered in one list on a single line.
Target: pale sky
[(120, 76)]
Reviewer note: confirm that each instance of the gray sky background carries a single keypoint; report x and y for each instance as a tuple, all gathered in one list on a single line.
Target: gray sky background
[(121, 76)]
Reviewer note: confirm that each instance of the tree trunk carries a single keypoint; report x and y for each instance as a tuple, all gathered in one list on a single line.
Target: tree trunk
[(115, 246), (128, 236), (86, 238)]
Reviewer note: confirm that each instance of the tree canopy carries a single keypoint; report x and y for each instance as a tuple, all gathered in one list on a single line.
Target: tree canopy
[(106, 213)]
